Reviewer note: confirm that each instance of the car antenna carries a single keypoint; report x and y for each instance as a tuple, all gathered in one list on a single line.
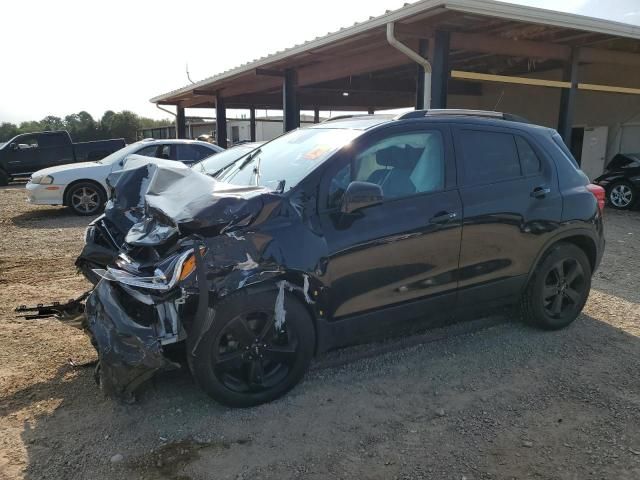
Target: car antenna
[(499, 100)]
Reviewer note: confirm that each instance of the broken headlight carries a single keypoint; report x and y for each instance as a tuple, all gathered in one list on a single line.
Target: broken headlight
[(164, 277)]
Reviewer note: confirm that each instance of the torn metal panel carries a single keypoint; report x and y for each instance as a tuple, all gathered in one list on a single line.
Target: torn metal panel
[(280, 312), (129, 347)]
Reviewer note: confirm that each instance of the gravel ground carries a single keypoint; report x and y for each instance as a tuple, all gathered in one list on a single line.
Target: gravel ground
[(490, 399)]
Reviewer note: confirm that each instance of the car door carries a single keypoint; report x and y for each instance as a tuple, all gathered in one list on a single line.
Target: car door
[(23, 155), (511, 203), (401, 254), (54, 149)]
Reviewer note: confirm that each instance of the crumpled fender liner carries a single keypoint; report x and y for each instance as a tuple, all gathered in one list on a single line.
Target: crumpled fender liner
[(129, 352)]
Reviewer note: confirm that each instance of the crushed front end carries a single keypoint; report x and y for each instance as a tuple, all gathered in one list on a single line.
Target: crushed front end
[(170, 243)]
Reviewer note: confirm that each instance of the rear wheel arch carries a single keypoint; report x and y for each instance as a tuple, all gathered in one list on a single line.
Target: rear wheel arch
[(559, 287), (584, 241)]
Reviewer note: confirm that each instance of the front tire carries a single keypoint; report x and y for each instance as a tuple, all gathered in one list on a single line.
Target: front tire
[(4, 179), (621, 195), (558, 289), (86, 198), (247, 357)]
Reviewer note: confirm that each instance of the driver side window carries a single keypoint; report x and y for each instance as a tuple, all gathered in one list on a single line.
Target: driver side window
[(404, 164)]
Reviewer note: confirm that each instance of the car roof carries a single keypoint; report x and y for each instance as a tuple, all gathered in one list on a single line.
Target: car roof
[(355, 122), (177, 141), (249, 145), (479, 117)]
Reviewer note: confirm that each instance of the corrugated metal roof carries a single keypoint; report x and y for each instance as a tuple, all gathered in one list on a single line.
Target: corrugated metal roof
[(488, 8)]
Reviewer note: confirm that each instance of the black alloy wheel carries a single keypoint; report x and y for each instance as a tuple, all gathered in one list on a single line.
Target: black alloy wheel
[(252, 354), (247, 357), (563, 288), (558, 288)]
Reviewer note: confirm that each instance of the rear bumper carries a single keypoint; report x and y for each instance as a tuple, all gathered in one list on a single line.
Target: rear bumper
[(45, 194)]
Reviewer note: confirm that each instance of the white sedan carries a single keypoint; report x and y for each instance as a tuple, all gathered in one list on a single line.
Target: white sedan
[(83, 187)]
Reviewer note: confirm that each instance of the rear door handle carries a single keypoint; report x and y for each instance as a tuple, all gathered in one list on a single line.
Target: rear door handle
[(540, 192), (443, 217)]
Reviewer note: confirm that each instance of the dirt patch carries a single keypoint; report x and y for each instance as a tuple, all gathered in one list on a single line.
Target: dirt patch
[(169, 459), (498, 401)]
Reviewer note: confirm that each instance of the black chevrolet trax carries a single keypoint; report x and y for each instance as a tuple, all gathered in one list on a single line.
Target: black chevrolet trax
[(349, 230)]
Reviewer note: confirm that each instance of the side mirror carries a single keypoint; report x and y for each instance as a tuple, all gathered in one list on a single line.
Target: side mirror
[(13, 146), (360, 195)]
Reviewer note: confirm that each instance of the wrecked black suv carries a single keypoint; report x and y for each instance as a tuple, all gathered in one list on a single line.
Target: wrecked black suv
[(330, 235)]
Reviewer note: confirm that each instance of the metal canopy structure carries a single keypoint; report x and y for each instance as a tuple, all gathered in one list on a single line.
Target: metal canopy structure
[(465, 43)]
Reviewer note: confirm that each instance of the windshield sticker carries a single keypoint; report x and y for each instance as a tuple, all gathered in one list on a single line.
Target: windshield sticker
[(317, 152)]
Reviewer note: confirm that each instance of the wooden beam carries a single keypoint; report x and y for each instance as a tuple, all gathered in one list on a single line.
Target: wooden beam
[(206, 93), (608, 89), (538, 82), (413, 31), (353, 65), (598, 55), (477, 42), (198, 101), (269, 72)]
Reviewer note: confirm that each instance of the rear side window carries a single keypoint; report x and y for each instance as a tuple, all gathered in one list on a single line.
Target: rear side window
[(528, 158), (149, 151), (489, 157), (53, 140), (563, 148), (192, 152)]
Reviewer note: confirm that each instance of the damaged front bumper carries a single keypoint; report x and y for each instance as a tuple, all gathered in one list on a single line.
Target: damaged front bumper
[(129, 335)]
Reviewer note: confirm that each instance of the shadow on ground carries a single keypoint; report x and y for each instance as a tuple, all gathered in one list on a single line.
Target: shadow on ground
[(508, 401), (50, 218)]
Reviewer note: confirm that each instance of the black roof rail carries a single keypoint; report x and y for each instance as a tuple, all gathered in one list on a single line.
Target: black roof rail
[(460, 112), (344, 117)]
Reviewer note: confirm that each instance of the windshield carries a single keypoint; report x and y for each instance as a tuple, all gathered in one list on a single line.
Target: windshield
[(288, 158), (120, 154), (217, 162)]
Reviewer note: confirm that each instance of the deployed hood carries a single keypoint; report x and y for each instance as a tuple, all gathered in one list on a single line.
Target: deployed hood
[(166, 199)]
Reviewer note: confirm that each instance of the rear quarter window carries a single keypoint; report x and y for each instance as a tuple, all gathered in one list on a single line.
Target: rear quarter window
[(488, 156), (565, 151)]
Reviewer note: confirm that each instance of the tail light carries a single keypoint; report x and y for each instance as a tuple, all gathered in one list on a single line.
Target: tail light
[(600, 195)]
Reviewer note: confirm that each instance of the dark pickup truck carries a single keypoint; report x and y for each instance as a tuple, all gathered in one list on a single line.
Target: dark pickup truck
[(29, 152)]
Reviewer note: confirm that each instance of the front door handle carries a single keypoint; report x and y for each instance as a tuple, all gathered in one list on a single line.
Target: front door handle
[(540, 192), (443, 217)]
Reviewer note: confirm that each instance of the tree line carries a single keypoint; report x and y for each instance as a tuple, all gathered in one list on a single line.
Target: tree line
[(84, 128)]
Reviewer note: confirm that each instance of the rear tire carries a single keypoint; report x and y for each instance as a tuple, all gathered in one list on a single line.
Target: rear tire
[(558, 288), (244, 359), (86, 198), (621, 195)]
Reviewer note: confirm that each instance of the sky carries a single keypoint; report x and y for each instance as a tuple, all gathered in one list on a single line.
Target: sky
[(66, 56)]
